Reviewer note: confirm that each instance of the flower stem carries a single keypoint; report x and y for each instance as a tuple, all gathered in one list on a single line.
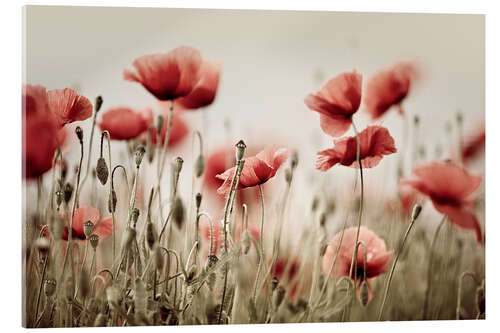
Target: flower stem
[(261, 246), (429, 268), (90, 149), (389, 279)]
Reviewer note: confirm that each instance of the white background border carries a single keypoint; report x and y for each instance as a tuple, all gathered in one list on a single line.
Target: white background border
[(10, 152)]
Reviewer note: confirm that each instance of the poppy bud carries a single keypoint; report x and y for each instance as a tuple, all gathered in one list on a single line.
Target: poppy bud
[(198, 198), (98, 103), (288, 176), (199, 166), (139, 154), (49, 287), (278, 296), (150, 150), (79, 133), (112, 201), (416, 120), (177, 165), (274, 283), (364, 293), (134, 215), (150, 235), (159, 123), (113, 296), (88, 227), (322, 219), (191, 273), (42, 244), (59, 197), (68, 192), (94, 241), (416, 212), (460, 117), (158, 258), (102, 170), (245, 242), (295, 160), (240, 150), (128, 238), (178, 212), (84, 283), (323, 245)]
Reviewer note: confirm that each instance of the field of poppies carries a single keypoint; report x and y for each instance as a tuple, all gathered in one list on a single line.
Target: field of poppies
[(104, 247)]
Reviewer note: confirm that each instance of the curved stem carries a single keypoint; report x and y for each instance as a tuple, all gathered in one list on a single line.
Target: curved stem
[(389, 279), (429, 268), (261, 246)]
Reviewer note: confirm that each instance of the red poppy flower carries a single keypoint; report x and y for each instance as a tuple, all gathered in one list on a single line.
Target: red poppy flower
[(204, 91), (336, 102), (375, 142), (178, 132), (377, 256), (123, 123), (68, 106), (388, 87), (216, 163), (41, 131), (450, 188), (474, 145), (167, 76), (257, 169), (408, 197), (103, 228)]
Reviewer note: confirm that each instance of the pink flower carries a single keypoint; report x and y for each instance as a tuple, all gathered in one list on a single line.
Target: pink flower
[(123, 123), (377, 256), (167, 76), (41, 132), (388, 87), (474, 145), (375, 142), (336, 102), (204, 91), (450, 187), (68, 106), (257, 169)]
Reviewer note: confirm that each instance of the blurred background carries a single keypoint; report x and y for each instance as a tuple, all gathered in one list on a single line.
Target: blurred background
[(271, 61)]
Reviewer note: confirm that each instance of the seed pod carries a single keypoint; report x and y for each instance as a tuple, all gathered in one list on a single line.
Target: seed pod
[(158, 258), (139, 154), (94, 241), (64, 169), (88, 227), (364, 293), (416, 212), (98, 103), (150, 235), (102, 170), (177, 165), (246, 242), (68, 192), (314, 204), (84, 283), (49, 287), (112, 201), (416, 120), (178, 212), (274, 283), (199, 166), (134, 216), (323, 245), (150, 149), (79, 133), (198, 199), (322, 219), (69, 287), (191, 273), (278, 296), (240, 150)]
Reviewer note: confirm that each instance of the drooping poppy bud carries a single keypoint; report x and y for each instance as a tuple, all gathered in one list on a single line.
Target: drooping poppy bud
[(240, 150), (102, 170)]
